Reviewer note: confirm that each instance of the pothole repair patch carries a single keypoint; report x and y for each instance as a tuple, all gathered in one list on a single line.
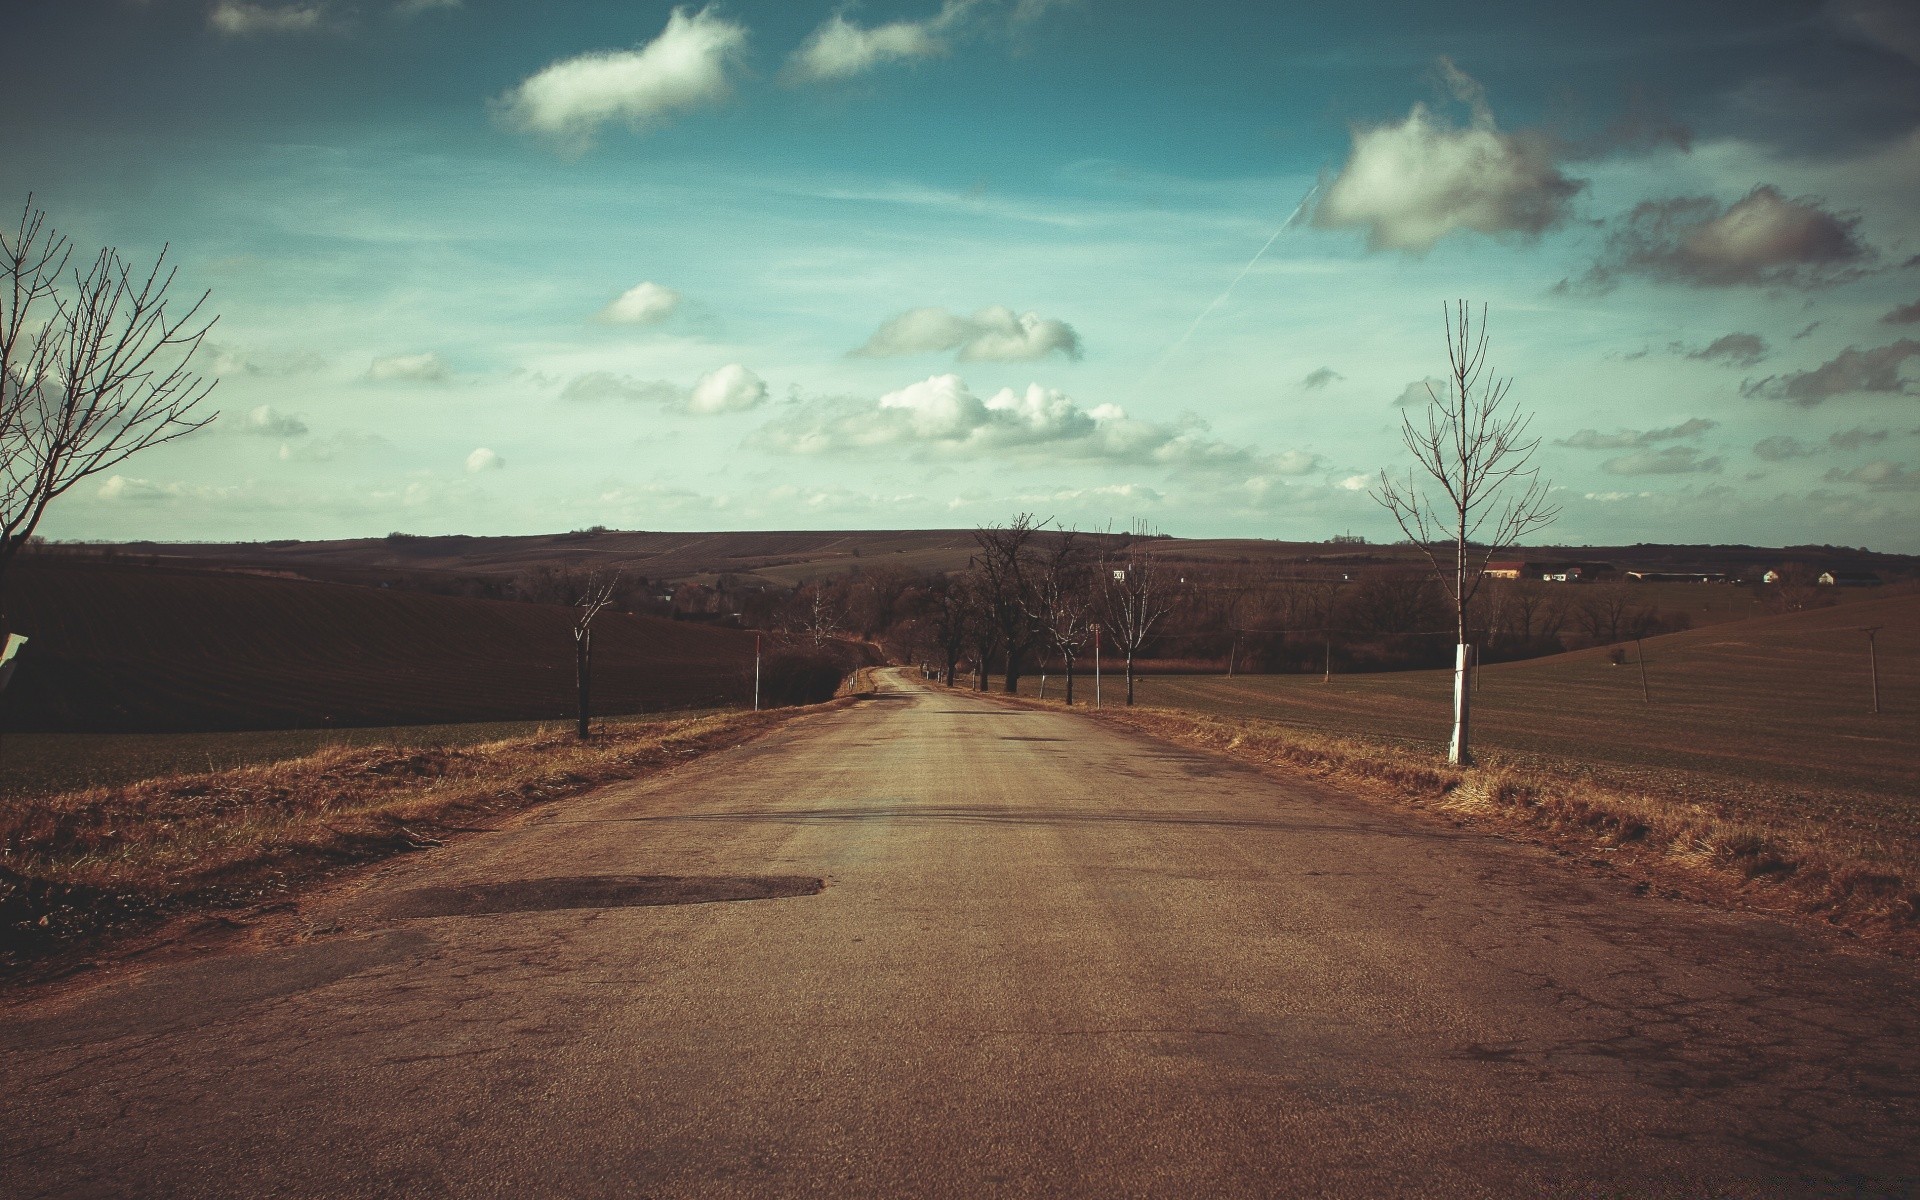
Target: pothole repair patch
[(598, 891)]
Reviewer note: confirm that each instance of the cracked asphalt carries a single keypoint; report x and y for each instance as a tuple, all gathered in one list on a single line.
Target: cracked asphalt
[(933, 946)]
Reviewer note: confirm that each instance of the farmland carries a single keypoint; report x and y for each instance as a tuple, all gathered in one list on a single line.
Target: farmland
[(1768, 719), (121, 649)]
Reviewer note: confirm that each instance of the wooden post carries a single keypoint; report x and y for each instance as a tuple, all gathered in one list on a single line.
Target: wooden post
[(1327, 673), (756, 672), (582, 652), (1233, 653), (1646, 697)]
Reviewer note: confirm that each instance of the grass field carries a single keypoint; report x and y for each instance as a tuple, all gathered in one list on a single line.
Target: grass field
[(1768, 718), (39, 763), (134, 649)]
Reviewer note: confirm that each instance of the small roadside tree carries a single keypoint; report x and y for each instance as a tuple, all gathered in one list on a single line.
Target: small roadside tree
[(1007, 567), (1474, 449), (95, 366), (1136, 594), (597, 595), (1065, 600)]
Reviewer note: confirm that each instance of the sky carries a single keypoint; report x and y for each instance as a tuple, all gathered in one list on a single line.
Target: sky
[(492, 267)]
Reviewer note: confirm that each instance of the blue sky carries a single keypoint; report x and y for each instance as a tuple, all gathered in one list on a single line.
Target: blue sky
[(506, 268)]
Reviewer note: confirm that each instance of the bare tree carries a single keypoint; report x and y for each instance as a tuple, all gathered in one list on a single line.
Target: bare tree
[(1474, 447), (1065, 600), (951, 618), (1007, 567), (94, 368), (1136, 594), (597, 595)]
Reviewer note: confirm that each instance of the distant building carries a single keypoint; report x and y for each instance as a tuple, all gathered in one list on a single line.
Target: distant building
[(1849, 579), (1505, 570), (1772, 577), (1347, 539), (1548, 572)]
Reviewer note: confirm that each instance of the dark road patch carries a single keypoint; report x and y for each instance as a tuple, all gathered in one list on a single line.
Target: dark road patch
[(1022, 738), (598, 891)]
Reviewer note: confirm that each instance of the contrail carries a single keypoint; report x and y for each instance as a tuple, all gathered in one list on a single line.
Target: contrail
[(1222, 297)]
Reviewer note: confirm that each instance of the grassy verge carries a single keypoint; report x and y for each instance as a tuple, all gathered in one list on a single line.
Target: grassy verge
[(83, 865), (1667, 829), (34, 764)]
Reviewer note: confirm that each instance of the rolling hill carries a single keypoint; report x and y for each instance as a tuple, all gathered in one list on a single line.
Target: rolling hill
[(139, 649)]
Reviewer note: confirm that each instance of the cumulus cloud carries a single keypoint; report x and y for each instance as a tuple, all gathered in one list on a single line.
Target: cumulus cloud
[(994, 334), (265, 422), (1321, 378), (484, 459), (641, 304), (1738, 349), (942, 415), (1906, 314), (1853, 439), (684, 68), (237, 18), (1673, 460), (1852, 370), (1410, 183), (1878, 475), (127, 489), (1762, 239), (731, 388), (1629, 439), (1418, 392), (415, 368), (1780, 448), (840, 49)]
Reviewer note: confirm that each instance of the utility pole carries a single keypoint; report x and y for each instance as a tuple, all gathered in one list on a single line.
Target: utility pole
[(1326, 675), (756, 672), (1646, 697), (1873, 663)]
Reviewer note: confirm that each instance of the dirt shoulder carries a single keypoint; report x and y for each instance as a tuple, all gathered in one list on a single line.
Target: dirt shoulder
[(113, 871)]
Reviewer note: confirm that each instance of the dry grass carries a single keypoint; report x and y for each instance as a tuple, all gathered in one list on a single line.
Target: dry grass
[(85, 864), (1832, 872)]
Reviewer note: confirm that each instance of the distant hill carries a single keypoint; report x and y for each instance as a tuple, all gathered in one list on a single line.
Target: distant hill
[(141, 649), (787, 558)]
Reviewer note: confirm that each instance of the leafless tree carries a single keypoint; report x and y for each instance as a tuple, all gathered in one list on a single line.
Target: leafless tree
[(597, 595), (950, 616), (1136, 594), (1065, 600), (1007, 567), (820, 620), (94, 368), (1474, 447)]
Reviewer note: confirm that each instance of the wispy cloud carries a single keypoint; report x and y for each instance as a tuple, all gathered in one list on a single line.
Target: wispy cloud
[(644, 303), (414, 368), (1672, 460), (1628, 439), (840, 49), (238, 18), (1763, 239), (1852, 370)]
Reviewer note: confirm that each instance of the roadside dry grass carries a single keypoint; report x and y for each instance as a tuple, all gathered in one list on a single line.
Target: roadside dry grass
[(1864, 879), (81, 866)]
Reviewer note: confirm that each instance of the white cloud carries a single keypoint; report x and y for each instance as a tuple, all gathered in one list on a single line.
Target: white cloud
[(1355, 483), (417, 368), (484, 459), (839, 49), (641, 304), (605, 385), (994, 334), (221, 358), (133, 490), (1410, 183), (731, 388), (265, 422), (237, 18), (1879, 475), (684, 68), (942, 416)]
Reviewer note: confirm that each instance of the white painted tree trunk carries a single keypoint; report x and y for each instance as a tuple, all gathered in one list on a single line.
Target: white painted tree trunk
[(1457, 752)]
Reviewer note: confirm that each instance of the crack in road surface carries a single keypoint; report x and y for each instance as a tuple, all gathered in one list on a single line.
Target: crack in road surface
[(1067, 961)]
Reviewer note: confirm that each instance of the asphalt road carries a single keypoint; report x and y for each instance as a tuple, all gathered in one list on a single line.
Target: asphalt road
[(930, 945)]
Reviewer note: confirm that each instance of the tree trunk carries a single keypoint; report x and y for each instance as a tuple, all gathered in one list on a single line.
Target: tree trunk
[(953, 662), (582, 650), (1013, 672), (1458, 752), (1068, 660), (1129, 678)]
